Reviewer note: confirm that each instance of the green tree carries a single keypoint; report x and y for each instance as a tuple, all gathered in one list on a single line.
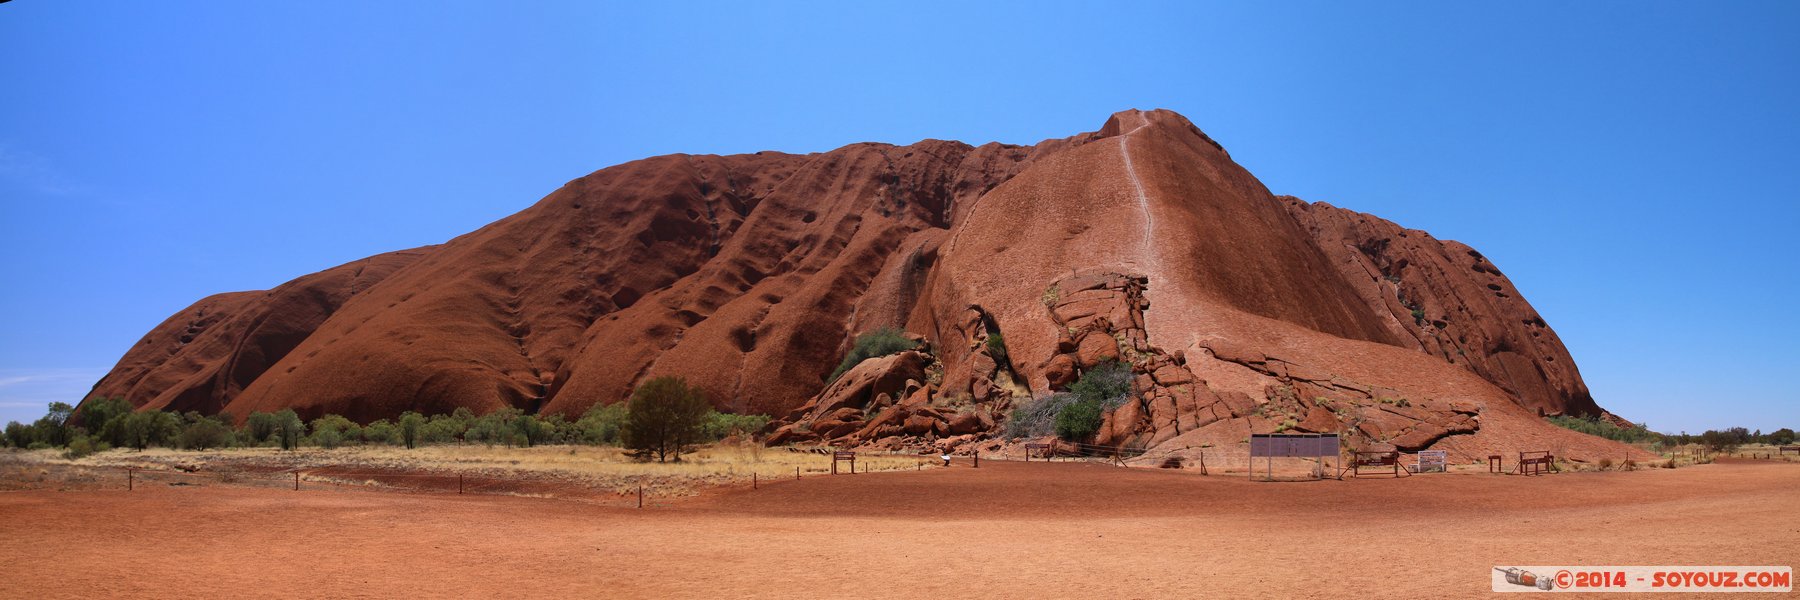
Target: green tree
[(527, 431), (20, 435), (723, 425), (103, 416), (602, 423), (410, 424), (342, 429), (203, 432), (146, 428), (1782, 437), (260, 427), (54, 427), (327, 438), (664, 417), (289, 429), (558, 430), (494, 428), (444, 429), (380, 431)]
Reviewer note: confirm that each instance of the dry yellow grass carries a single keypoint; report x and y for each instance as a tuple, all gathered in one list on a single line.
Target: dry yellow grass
[(596, 468)]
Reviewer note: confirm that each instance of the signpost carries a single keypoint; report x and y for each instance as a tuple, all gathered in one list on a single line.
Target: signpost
[(1432, 460), (843, 456), (1535, 462), (1291, 445)]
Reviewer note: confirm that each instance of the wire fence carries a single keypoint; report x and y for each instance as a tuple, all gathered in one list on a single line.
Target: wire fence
[(622, 491)]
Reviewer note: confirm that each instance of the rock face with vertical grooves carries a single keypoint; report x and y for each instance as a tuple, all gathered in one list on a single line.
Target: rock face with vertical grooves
[(750, 275)]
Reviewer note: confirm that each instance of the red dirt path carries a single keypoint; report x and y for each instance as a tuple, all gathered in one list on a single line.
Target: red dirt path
[(1007, 530)]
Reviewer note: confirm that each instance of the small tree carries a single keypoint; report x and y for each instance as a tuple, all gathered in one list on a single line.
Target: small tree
[(1782, 437), (53, 428), (204, 432), (340, 428), (665, 416), (104, 417), (602, 423), (327, 438), (20, 435), (260, 427), (289, 428), (410, 424), (379, 431), (722, 425), (147, 428), (528, 431)]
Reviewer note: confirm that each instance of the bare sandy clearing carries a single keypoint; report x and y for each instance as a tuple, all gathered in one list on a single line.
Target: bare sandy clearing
[(1008, 530)]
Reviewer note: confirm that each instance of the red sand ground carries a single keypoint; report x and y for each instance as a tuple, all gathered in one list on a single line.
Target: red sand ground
[(1007, 530)]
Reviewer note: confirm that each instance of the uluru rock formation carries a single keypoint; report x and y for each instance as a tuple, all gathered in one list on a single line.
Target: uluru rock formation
[(750, 276)]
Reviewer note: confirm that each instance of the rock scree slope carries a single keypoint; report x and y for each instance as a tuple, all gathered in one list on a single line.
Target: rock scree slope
[(1238, 310)]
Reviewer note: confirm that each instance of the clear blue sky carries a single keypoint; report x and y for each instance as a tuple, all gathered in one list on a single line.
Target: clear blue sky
[(1632, 166)]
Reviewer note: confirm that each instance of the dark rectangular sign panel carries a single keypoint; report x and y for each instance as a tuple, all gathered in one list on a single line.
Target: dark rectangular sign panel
[(1307, 445)]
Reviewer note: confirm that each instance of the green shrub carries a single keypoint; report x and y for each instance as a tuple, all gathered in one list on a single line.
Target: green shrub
[(54, 427), (664, 417), (341, 430), (411, 422), (289, 429), (443, 429), (601, 423), (996, 347), (878, 343), (1595, 426), (494, 428), (102, 416), (260, 427), (147, 428), (1107, 382), (720, 425), (380, 431), (202, 433), (327, 438), (20, 435), (79, 447), (1079, 420), (528, 431)]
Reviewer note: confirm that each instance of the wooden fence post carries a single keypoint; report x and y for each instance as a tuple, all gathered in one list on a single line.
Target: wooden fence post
[(459, 483), (640, 495), (753, 480), (296, 481), (130, 479)]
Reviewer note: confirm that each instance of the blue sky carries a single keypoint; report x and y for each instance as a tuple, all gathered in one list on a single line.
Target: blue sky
[(1630, 165)]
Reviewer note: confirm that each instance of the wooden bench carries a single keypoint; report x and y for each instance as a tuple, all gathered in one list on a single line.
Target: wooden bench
[(1046, 451), (1496, 464), (1535, 462), (1388, 459), (843, 456)]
